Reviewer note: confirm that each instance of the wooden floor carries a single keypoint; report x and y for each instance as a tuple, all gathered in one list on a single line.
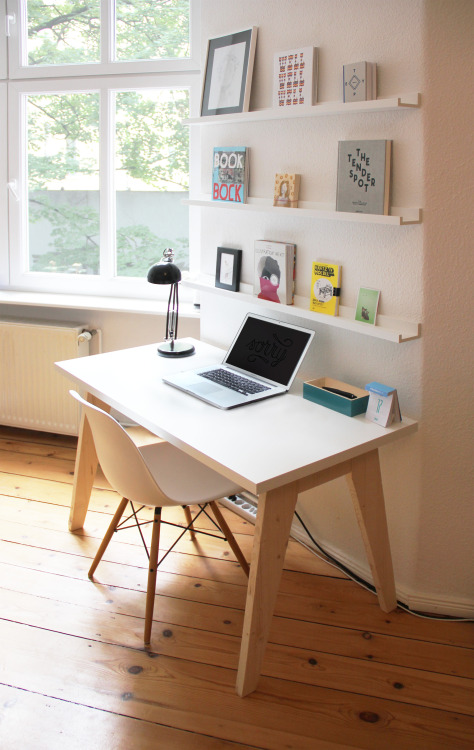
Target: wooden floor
[(338, 673)]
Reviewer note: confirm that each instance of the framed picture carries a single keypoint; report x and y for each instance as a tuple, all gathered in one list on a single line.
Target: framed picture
[(228, 266), (228, 75)]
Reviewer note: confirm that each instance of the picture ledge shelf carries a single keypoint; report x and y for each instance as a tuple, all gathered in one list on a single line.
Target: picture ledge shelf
[(397, 216), (387, 328), (401, 101)]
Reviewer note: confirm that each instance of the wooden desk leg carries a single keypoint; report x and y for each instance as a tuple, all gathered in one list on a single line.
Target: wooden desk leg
[(84, 470), (272, 531), (365, 483)]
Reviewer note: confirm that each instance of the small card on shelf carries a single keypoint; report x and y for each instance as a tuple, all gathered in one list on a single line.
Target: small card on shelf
[(383, 407)]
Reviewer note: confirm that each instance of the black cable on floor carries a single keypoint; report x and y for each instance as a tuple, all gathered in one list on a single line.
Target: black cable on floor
[(370, 586)]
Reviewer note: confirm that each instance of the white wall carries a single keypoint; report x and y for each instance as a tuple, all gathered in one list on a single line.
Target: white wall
[(423, 271), (445, 532), (426, 477)]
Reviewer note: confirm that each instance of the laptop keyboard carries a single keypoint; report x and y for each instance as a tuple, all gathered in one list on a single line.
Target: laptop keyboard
[(235, 382)]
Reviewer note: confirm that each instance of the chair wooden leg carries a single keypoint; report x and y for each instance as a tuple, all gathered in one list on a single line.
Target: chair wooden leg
[(189, 521), (230, 537), (108, 536), (152, 571)]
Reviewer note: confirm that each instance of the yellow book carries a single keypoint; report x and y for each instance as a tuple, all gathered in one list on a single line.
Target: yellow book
[(325, 288)]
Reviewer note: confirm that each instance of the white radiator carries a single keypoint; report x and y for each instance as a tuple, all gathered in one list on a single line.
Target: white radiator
[(33, 394)]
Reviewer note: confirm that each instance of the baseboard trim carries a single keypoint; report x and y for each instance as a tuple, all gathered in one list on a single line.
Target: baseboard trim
[(462, 608), (245, 505)]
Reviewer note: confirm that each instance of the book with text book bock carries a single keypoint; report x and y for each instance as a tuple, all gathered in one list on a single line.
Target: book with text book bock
[(295, 76), (359, 82), (274, 275), (363, 176), (287, 188), (383, 407), (230, 174), (325, 288)]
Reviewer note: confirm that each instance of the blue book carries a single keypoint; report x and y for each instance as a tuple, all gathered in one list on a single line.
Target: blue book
[(230, 174)]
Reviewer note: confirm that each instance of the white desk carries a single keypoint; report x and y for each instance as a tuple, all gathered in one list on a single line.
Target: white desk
[(274, 448)]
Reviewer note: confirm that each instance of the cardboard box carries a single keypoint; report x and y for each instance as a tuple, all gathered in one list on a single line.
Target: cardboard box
[(313, 391)]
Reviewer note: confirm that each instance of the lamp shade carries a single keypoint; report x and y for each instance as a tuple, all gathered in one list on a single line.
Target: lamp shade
[(164, 272)]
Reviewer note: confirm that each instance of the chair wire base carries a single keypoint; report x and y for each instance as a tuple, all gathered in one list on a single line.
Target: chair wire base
[(189, 527)]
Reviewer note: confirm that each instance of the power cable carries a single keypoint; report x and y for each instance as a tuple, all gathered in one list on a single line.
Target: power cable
[(365, 584)]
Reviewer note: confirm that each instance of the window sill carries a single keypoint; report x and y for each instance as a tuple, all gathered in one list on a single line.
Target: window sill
[(84, 302)]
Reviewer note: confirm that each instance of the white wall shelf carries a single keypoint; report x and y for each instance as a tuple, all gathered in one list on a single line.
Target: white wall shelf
[(397, 217), (402, 101), (387, 328)]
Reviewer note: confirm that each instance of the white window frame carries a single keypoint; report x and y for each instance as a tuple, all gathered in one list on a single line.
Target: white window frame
[(3, 182), (19, 69), (106, 284), (4, 30), (14, 262)]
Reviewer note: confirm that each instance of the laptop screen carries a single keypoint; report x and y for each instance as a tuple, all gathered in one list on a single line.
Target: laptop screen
[(269, 349)]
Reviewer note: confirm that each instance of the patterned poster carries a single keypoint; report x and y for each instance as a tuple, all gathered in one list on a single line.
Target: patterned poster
[(295, 77)]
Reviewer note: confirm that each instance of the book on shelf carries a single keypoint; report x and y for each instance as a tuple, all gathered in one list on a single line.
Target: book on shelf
[(230, 174), (367, 305), (359, 81), (287, 189), (274, 275), (295, 78), (383, 407), (363, 176), (325, 288)]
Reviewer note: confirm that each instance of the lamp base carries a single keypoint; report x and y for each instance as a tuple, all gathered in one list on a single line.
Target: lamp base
[(175, 349)]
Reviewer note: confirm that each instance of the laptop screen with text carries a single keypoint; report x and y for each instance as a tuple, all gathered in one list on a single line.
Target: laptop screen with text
[(268, 349)]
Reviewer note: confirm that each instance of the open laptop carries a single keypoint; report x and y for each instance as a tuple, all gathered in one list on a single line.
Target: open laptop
[(262, 361)]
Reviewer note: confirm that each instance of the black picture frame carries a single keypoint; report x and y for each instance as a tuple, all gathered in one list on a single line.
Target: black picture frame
[(228, 265), (228, 73)]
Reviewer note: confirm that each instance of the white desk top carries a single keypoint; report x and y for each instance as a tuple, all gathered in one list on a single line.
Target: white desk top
[(259, 446)]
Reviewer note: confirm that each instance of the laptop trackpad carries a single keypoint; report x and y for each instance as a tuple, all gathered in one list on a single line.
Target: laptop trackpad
[(204, 389)]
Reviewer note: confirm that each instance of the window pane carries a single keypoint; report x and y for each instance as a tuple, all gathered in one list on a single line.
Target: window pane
[(151, 178), (62, 32), (152, 29), (63, 183)]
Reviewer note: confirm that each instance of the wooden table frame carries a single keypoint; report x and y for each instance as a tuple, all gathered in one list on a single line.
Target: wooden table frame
[(275, 513), (274, 518)]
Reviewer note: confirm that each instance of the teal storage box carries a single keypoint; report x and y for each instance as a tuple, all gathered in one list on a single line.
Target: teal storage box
[(313, 391)]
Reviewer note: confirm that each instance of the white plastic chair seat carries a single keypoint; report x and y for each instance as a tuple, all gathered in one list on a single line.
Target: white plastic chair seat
[(183, 479), (158, 475)]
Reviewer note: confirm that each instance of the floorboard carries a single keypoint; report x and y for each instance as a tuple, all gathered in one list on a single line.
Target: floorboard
[(338, 672)]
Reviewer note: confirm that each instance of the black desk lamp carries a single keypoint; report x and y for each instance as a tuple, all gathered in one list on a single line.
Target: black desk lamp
[(166, 272)]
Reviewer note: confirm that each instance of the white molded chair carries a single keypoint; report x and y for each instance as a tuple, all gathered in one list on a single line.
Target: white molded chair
[(155, 475)]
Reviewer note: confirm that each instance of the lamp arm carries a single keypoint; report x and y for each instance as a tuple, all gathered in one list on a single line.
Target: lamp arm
[(172, 313), (167, 332), (176, 308)]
